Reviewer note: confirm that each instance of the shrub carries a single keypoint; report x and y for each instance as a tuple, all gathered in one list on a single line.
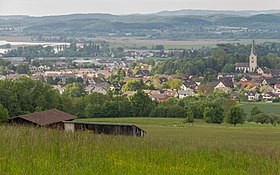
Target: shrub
[(236, 115), (4, 115)]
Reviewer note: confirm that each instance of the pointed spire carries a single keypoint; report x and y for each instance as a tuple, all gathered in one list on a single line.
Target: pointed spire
[(253, 51)]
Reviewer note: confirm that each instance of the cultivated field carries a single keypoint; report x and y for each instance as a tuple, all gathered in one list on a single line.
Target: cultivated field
[(170, 147), (264, 106), (136, 42)]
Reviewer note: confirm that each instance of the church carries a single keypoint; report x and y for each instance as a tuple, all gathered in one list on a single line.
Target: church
[(252, 65)]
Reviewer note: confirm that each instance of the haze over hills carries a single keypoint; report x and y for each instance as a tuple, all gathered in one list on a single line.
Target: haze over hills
[(186, 12), (176, 25)]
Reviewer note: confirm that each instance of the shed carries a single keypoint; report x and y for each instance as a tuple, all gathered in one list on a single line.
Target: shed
[(105, 128), (52, 118)]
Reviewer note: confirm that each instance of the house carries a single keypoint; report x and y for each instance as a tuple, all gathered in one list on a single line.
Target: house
[(276, 89), (52, 118), (275, 73), (227, 75), (223, 84), (159, 97), (105, 128), (246, 78), (252, 95), (269, 82), (142, 73), (264, 72), (268, 96), (185, 93), (58, 88), (188, 84), (103, 73), (234, 95), (244, 84), (99, 90)]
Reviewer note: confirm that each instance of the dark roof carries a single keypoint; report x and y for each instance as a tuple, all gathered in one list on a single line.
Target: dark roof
[(47, 117), (247, 77), (143, 73), (227, 82), (242, 65), (275, 73), (271, 81), (104, 85), (189, 83)]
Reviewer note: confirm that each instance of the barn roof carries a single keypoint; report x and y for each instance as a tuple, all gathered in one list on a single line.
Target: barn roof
[(47, 117)]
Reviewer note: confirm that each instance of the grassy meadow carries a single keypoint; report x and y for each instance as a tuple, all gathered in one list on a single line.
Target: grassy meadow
[(264, 106), (170, 147)]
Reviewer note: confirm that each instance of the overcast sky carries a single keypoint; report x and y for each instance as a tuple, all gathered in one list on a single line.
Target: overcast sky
[(54, 7)]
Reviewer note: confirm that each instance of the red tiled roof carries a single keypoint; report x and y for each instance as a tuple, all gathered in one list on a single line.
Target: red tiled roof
[(246, 83), (47, 117)]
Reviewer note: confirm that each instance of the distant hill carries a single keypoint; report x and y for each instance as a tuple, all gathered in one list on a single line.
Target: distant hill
[(176, 25), (188, 12)]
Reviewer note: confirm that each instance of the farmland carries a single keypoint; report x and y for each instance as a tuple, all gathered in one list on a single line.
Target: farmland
[(170, 147), (265, 107)]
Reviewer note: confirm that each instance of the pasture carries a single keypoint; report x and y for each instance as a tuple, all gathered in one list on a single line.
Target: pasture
[(264, 106), (130, 42), (170, 147)]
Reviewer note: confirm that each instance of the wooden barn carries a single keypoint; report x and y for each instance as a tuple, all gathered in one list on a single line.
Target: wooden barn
[(50, 118), (105, 128)]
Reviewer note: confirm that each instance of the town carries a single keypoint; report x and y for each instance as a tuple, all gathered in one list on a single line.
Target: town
[(140, 87), (132, 69)]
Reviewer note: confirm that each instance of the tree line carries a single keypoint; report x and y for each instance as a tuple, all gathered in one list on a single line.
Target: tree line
[(23, 96)]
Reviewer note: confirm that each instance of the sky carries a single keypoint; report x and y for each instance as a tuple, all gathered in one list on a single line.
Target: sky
[(58, 7)]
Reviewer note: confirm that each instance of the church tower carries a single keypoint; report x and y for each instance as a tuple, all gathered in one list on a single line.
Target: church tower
[(253, 59)]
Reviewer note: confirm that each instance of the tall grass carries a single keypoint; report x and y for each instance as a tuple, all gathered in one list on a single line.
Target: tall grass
[(165, 150)]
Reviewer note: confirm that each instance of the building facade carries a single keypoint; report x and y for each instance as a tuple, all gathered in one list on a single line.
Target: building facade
[(253, 62)]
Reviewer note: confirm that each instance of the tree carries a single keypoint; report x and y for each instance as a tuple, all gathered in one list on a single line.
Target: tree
[(168, 111), (262, 118), (205, 89), (4, 114), (236, 115), (174, 83), (255, 111), (189, 118), (228, 68), (133, 85), (74, 90), (213, 115), (274, 119), (23, 69), (141, 104)]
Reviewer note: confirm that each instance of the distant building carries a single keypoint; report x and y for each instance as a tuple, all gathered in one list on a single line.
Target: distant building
[(252, 65)]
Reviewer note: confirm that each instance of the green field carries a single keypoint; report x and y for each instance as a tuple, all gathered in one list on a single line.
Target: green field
[(264, 106), (170, 147), (129, 42)]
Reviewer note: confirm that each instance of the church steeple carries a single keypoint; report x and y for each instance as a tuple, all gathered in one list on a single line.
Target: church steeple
[(253, 64), (253, 49)]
